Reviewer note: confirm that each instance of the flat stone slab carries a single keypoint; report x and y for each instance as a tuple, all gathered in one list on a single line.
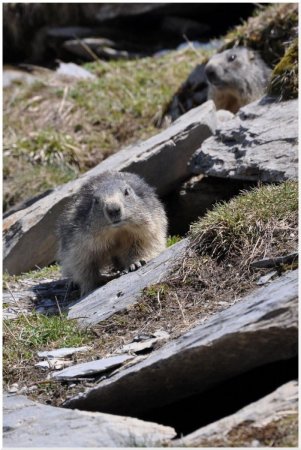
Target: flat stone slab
[(62, 352), (283, 402), (92, 367), (29, 234), (141, 344), (53, 364), (30, 424), (125, 291), (260, 143), (259, 329)]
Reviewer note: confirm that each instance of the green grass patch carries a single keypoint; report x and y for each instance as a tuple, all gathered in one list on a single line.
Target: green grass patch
[(48, 147), (171, 240), (250, 223), (25, 336), (56, 129), (23, 179), (38, 331), (134, 89)]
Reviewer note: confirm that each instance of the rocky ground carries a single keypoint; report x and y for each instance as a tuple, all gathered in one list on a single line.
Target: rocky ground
[(210, 324), (196, 283)]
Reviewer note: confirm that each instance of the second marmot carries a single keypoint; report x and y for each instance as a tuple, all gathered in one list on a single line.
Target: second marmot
[(115, 221), (236, 77)]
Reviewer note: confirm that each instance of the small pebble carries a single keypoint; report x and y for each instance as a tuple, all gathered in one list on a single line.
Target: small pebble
[(32, 388), (14, 388)]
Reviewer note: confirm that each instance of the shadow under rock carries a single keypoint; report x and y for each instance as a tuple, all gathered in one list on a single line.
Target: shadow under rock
[(53, 297)]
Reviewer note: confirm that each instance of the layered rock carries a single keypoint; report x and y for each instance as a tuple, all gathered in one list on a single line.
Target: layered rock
[(259, 329), (259, 144)]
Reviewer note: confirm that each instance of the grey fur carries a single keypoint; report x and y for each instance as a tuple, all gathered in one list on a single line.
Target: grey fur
[(236, 77), (115, 221)]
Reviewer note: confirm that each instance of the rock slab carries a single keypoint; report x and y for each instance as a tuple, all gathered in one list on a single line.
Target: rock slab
[(30, 424), (30, 233), (259, 144), (91, 367), (62, 352), (125, 291), (283, 402), (259, 329)]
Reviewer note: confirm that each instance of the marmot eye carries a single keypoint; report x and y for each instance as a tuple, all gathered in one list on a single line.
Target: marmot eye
[(231, 58), (95, 200), (126, 192)]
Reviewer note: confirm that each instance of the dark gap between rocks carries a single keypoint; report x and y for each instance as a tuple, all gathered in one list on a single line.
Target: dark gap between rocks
[(195, 197), (226, 398)]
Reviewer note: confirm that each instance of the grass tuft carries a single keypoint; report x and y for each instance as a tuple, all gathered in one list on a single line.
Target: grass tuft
[(171, 240), (254, 223)]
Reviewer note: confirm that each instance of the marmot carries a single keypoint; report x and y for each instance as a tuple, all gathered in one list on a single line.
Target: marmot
[(115, 221), (236, 77)]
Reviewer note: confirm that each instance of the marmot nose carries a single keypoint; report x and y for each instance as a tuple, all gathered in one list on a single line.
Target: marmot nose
[(114, 212), (210, 73)]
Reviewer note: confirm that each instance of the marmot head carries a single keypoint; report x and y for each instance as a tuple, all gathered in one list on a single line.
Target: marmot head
[(226, 68), (113, 199)]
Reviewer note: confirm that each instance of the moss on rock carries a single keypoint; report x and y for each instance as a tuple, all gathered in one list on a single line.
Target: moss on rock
[(267, 31), (284, 80)]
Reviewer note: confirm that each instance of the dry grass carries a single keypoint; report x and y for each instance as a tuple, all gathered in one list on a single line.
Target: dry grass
[(278, 433), (58, 127)]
